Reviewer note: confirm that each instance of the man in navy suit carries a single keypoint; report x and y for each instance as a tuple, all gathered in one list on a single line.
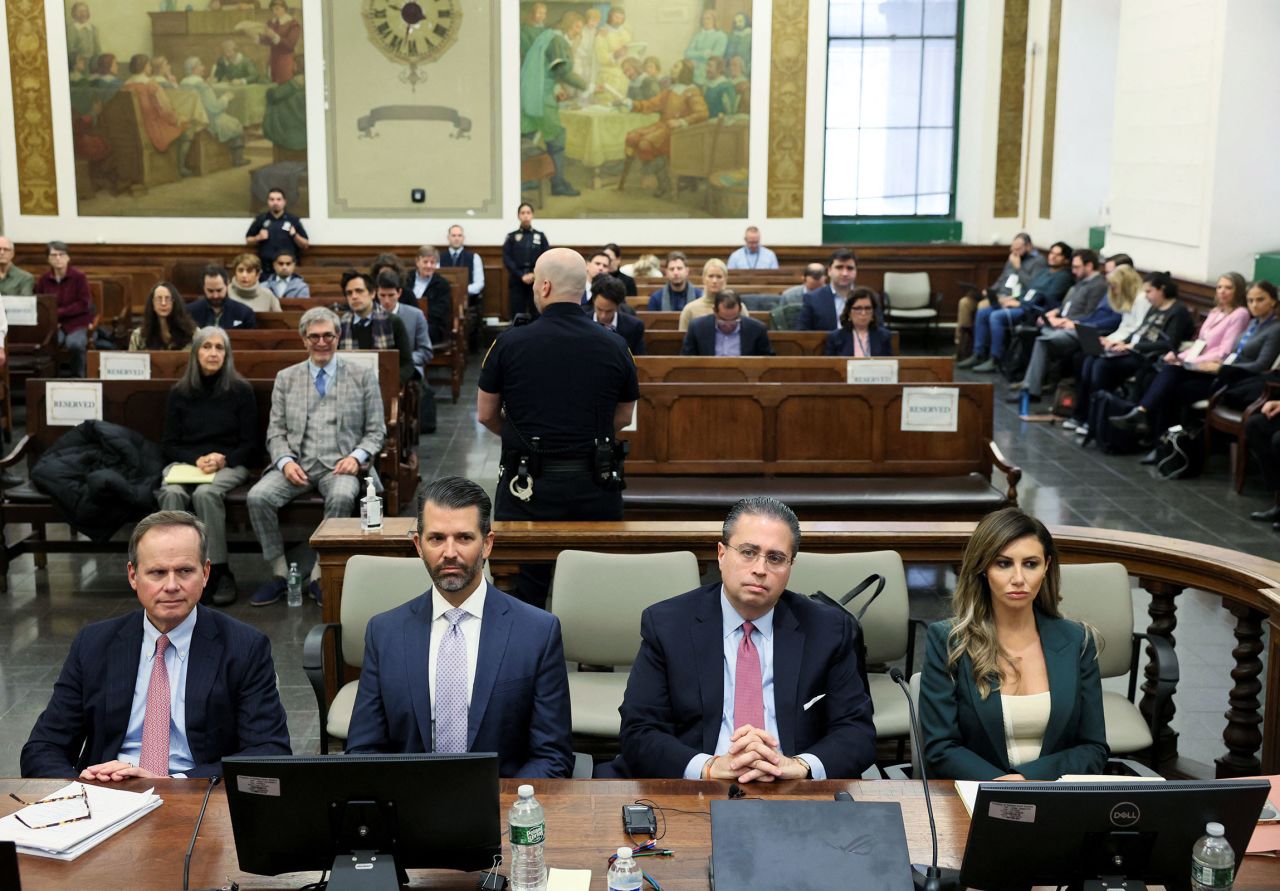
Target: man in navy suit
[(608, 296), (464, 667), (111, 714), (215, 309), (744, 680), (726, 332), (821, 308)]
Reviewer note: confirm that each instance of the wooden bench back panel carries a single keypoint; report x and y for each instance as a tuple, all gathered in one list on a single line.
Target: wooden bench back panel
[(669, 320), (785, 343), (782, 369), (143, 277), (811, 429), (41, 334)]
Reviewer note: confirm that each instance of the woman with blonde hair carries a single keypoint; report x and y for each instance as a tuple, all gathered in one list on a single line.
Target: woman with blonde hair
[(1126, 296), (715, 278), (1011, 689)]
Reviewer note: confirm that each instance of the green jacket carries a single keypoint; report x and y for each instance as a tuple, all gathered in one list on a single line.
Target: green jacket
[(548, 63), (964, 734), (17, 283)]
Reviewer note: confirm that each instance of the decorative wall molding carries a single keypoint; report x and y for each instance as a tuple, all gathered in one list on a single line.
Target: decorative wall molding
[(789, 66), (1013, 76), (32, 109)]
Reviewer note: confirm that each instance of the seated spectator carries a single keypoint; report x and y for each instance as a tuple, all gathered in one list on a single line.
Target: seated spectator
[(390, 261), (14, 282), (211, 421), (859, 333), (432, 294), (369, 327), (326, 428), (415, 323), (166, 324), (1008, 639), (215, 309), (677, 292), (815, 276), (715, 277), (1086, 304), (75, 304), (1115, 261), (1014, 280), (994, 320), (597, 265), (728, 331), (1182, 384), (645, 266), (608, 295), (615, 268), (1123, 284), (247, 289), (1262, 433), (822, 307), (284, 280), (752, 254)]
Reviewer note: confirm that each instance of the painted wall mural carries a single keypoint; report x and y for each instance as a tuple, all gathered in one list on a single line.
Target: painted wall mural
[(187, 111), (640, 110)]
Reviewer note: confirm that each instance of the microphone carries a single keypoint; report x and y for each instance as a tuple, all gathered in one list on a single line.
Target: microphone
[(186, 861), (932, 877)]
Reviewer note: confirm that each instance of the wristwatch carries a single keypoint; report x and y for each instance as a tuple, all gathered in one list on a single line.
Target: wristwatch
[(808, 769)]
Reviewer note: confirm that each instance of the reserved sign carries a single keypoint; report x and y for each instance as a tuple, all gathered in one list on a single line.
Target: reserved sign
[(68, 403), (19, 310), (872, 371), (114, 365), (930, 409)]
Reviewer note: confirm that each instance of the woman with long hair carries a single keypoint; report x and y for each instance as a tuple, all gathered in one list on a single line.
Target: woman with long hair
[(211, 422), (1011, 689), (166, 324)]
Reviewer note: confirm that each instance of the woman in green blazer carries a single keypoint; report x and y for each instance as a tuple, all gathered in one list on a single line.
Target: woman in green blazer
[(1010, 689)]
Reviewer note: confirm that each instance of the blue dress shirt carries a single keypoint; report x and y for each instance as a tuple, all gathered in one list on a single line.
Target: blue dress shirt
[(175, 663), (729, 344)]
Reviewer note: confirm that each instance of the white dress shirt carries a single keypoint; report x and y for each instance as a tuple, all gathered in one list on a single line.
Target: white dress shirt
[(175, 663), (477, 271), (470, 628)]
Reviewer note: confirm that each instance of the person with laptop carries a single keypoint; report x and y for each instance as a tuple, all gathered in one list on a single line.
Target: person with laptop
[(743, 679), (1011, 690)]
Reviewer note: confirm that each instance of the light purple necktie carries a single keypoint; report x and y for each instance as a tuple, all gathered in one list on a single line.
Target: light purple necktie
[(451, 686)]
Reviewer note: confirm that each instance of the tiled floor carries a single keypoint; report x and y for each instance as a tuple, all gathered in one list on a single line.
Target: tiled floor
[(1062, 484)]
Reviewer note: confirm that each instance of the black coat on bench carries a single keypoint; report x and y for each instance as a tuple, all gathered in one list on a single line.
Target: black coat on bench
[(100, 476)]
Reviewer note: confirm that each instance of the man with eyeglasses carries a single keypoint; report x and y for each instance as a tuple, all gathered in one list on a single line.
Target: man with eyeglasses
[(744, 680), (370, 327), (75, 304), (326, 427), (14, 282), (815, 276)]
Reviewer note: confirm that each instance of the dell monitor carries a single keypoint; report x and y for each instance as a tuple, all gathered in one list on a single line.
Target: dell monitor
[(366, 817), (1025, 834)]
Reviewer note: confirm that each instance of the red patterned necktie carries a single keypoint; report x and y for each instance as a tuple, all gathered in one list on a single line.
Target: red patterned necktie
[(748, 688), (155, 725)]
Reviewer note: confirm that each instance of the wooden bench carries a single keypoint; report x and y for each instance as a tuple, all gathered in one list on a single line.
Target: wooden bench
[(669, 320), (779, 369), (832, 451), (785, 343), (140, 405)]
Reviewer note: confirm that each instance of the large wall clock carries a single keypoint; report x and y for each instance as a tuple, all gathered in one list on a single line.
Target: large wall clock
[(412, 32)]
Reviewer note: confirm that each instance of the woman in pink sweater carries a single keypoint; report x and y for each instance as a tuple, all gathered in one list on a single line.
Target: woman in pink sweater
[(1222, 326)]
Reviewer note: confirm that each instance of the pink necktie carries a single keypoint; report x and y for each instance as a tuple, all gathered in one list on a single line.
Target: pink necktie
[(748, 689), (155, 725)]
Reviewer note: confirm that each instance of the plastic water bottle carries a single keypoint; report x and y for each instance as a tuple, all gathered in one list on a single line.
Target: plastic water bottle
[(528, 833), (295, 585), (624, 874), (1213, 863)]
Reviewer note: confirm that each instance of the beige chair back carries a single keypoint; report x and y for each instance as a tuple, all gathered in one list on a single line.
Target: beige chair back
[(907, 290), (374, 585), (884, 627), (599, 598), (1100, 594)]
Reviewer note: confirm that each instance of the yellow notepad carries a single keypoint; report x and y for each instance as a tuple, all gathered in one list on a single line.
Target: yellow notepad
[(187, 475)]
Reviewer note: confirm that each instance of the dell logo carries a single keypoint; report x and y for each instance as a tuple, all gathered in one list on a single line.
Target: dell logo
[(1125, 814)]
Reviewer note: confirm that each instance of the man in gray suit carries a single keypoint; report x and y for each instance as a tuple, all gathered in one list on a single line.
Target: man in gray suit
[(326, 428)]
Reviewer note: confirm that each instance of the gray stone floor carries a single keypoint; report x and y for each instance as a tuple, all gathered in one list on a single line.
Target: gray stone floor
[(1062, 484)]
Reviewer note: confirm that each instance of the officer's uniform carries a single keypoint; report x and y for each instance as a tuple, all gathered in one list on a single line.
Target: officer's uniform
[(520, 251), (560, 380)]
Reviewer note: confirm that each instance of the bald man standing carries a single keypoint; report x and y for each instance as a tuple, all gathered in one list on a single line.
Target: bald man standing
[(567, 387)]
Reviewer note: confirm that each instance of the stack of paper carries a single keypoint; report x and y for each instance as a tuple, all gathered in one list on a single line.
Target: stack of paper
[(111, 810)]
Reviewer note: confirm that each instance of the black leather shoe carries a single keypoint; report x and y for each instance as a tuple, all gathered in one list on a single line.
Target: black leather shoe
[(1150, 457), (1276, 526), (1135, 419), (1270, 515)]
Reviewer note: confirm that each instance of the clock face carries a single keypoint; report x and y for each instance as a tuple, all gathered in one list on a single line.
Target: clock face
[(412, 31)]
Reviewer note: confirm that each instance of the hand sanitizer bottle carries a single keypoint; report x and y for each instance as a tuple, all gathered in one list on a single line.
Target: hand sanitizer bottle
[(370, 509)]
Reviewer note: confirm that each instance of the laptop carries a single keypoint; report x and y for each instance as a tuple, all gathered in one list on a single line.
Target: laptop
[(808, 845), (1089, 340)]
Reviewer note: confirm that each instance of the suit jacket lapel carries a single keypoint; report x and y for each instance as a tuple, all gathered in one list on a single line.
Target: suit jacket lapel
[(708, 652), (990, 713), (122, 673), (1061, 665), (205, 657), (788, 646), (417, 661), (495, 629)]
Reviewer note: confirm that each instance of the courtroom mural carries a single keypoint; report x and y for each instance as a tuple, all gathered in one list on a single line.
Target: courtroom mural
[(187, 109), (414, 115), (635, 110)]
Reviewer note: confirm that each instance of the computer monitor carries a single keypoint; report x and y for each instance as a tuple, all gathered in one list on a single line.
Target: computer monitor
[(366, 817), (9, 880), (1025, 834)]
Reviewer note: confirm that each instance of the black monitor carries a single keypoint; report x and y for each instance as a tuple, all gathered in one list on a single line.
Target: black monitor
[(1025, 834), (366, 817)]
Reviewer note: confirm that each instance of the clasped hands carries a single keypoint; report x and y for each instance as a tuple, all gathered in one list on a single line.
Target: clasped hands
[(113, 771), (294, 473), (753, 756), (211, 463)]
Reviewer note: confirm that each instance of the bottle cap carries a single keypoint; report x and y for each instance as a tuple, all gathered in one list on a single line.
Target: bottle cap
[(1214, 829), (525, 791), (624, 853)]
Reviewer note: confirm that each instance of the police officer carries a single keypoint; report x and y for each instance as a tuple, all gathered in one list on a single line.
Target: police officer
[(520, 253), (567, 386)]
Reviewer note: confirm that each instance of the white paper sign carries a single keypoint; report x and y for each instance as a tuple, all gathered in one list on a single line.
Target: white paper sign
[(872, 371), (19, 310), (930, 409), (366, 358), (113, 365), (67, 403)]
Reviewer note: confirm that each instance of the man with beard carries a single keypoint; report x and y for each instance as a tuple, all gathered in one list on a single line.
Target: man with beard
[(495, 678)]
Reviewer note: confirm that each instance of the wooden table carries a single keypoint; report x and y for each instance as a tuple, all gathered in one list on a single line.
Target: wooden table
[(583, 828)]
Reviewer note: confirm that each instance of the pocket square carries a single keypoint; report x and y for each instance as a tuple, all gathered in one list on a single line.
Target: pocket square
[(813, 700)]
